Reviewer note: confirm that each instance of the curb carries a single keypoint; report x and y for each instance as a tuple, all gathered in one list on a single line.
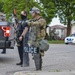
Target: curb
[(43, 73)]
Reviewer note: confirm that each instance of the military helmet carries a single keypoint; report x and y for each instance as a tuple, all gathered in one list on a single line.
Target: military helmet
[(35, 9)]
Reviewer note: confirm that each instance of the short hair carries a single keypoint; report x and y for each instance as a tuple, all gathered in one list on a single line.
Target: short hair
[(23, 12)]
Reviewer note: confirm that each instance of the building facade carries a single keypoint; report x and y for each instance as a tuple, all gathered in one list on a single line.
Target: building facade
[(57, 31)]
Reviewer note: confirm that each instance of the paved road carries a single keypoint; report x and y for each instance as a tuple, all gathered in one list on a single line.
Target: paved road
[(59, 58)]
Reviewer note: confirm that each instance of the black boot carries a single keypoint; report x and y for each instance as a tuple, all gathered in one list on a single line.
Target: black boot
[(4, 51)]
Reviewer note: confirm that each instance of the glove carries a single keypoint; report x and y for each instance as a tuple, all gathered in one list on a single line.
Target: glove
[(29, 23)]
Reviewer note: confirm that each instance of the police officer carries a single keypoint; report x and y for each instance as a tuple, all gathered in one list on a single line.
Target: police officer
[(38, 25), (22, 26)]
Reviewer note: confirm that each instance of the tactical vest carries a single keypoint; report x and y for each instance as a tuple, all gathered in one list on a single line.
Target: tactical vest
[(20, 27), (38, 31)]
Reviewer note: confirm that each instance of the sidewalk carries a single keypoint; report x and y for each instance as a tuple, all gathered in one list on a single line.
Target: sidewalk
[(43, 73)]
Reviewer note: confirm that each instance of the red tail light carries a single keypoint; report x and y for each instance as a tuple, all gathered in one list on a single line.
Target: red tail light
[(6, 31)]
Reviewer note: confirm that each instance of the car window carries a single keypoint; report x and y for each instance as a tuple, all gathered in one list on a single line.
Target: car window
[(72, 35)]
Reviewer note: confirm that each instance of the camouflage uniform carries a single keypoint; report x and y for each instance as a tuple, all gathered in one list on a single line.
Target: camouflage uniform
[(37, 32)]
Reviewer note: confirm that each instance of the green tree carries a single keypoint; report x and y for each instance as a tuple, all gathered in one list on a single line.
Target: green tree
[(19, 5), (66, 12), (46, 6), (49, 10), (1, 5)]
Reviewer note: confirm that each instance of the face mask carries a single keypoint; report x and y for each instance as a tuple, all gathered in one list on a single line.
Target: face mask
[(23, 17)]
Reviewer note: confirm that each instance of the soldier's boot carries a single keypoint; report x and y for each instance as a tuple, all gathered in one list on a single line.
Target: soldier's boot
[(38, 61)]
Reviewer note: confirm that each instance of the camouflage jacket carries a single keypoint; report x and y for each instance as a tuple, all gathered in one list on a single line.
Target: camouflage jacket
[(37, 30)]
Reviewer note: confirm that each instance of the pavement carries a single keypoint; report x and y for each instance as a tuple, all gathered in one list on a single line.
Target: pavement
[(43, 73), (57, 53), (58, 60)]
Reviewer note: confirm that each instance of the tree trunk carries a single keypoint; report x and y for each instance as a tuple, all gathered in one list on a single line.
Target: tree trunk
[(69, 28)]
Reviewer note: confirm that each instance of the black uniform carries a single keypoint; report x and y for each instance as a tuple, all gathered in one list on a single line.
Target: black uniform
[(21, 26)]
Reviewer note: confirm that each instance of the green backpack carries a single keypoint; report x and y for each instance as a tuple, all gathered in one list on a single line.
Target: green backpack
[(43, 45)]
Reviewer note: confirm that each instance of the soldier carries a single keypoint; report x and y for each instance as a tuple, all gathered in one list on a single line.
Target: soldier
[(38, 25)]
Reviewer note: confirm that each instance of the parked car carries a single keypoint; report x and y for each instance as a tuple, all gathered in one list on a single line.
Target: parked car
[(6, 35), (70, 39)]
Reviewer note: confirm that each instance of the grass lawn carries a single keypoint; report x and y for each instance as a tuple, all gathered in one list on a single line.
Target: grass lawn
[(56, 41)]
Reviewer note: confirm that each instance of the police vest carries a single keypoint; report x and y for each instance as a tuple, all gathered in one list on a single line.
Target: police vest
[(20, 27)]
